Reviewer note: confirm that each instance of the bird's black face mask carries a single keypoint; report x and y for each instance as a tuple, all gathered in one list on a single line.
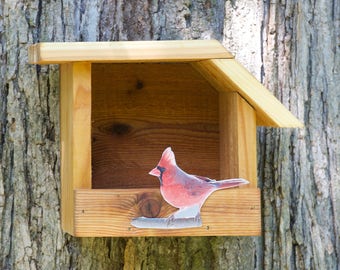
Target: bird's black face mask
[(161, 170)]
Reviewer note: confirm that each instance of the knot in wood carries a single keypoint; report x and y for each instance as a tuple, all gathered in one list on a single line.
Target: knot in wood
[(149, 205), (120, 129), (139, 84)]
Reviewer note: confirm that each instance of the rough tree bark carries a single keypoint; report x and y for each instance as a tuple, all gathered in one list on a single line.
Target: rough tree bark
[(300, 168), (290, 45)]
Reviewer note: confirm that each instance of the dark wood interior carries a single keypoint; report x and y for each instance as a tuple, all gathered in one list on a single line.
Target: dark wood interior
[(140, 109)]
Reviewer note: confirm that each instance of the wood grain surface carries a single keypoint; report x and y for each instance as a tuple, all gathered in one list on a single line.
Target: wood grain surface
[(237, 138), (75, 129), (140, 109), (109, 212)]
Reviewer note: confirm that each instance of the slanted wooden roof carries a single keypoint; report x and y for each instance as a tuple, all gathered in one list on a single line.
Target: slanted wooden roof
[(229, 75), (127, 51), (209, 57)]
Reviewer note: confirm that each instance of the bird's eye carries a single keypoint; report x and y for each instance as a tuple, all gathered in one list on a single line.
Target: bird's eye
[(161, 169)]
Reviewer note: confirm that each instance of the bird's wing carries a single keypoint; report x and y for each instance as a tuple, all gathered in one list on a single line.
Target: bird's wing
[(206, 179)]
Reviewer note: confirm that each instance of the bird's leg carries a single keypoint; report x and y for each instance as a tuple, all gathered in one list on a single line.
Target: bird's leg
[(197, 218), (188, 212), (186, 217)]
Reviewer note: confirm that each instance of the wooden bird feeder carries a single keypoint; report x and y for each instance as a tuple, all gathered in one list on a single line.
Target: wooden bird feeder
[(123, 103)]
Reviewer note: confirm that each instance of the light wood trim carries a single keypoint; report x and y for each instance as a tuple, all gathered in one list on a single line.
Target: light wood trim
[(75, 126), (126, 51), (229, 75), (109, 212), (237, 138)]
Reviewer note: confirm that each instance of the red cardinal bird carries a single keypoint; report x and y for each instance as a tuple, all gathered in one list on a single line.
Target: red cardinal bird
[(186, 191)]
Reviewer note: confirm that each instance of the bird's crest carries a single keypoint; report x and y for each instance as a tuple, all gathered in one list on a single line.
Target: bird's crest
[(168, 157)]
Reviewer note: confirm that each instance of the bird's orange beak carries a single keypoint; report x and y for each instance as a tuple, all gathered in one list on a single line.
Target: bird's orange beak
[(155, 172)]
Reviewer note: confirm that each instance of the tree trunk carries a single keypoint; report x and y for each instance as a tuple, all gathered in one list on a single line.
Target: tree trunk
[(290, 46), (300, 168)]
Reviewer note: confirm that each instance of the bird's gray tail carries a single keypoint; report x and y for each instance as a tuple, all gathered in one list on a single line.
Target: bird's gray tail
[(230, 183)]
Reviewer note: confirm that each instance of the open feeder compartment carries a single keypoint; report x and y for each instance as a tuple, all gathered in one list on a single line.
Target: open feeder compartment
[(123, 103)]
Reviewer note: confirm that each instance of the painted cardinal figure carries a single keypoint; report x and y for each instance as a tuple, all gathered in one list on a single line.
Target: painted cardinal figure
[(186, 191)]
